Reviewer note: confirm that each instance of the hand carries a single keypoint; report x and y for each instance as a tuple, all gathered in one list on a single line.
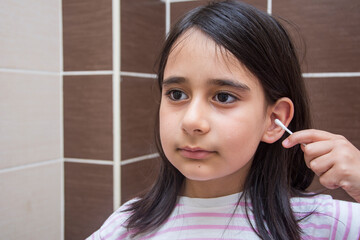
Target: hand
[(332, 157)]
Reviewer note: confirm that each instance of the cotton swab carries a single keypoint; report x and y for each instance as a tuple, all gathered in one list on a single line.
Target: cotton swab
[(280, 124)]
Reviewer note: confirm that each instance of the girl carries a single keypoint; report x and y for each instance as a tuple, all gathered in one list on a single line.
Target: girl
[(226, 72)]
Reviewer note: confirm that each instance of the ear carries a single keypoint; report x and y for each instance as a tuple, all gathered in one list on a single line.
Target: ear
[(283, 110)]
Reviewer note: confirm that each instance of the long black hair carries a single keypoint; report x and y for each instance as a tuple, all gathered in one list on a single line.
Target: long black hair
[(261, 44)]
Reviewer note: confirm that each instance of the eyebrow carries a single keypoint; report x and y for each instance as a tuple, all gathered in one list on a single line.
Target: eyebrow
[(217, 82), (173, 80), (230, 83)]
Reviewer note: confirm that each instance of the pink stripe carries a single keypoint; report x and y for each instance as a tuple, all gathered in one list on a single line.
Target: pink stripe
[(123, 236), (337, 213), (242, 204), (316, 226), (197, 227), (348, 223)]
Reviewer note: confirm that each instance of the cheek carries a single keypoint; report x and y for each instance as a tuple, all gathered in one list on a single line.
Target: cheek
[(241, 140), (166, 127)]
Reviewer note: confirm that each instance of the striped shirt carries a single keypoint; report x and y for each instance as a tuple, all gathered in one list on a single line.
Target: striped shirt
[(214, 218)]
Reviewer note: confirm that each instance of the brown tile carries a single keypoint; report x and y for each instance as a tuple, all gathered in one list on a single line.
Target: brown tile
[(335, 105), (142, 33), (138, 111), (88, 198), (180, 8), (330, 30), (87, 35), (137, 177), (88, 117)]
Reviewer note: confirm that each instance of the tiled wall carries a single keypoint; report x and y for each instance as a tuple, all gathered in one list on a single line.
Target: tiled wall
[(30, 120), (32, 144)]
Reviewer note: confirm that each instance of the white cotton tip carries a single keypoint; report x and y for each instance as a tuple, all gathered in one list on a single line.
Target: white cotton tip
[(280, 124)]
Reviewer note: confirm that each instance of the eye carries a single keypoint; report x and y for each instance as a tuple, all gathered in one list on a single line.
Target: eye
[(225, 98), (176, 95)]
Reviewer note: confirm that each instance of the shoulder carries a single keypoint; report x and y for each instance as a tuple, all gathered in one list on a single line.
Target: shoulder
[(114, 226), (322, 214)]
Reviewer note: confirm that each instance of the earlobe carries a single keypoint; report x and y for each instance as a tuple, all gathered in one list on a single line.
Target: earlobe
[(283, 110)]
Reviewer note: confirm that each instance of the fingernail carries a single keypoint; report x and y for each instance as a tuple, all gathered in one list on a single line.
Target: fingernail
[(286, 142)]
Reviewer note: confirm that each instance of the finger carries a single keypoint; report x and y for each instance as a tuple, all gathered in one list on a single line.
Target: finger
[(306, 137), (316, 149), (322, 164), (330, 179)]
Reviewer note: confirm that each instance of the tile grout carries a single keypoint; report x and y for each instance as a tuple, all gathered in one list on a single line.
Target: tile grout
[(30, 165), (109, 162), (154, 76)]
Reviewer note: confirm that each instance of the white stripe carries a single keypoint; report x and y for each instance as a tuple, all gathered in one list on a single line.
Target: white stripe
[(25, 71), (140, 75), (167, 17), (80, 73), (116, 104), (331, 74), (30, 165), (139, 159), (62, 176), (269, 7), (88, 161)]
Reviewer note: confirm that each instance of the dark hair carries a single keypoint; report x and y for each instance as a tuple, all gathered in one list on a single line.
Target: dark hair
[(259, 42)]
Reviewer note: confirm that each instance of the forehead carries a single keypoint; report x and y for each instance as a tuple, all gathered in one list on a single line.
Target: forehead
[(196, 53)]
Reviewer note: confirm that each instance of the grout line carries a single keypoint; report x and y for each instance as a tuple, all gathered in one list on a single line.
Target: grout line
[(141, 75), (269, 7), (30, 165), (88, 161), (167, 17), (331, 74), (116, 104), (62, 170), (25, 71), (62, 201), (139, 159), (80, 73)]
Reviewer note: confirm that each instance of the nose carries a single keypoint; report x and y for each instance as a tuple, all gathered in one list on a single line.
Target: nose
[(195, 120)]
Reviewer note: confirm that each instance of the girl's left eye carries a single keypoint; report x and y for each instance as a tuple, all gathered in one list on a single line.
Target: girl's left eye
[(224, 98)]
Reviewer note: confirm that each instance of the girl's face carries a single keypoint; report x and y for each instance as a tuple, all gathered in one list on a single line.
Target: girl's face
[(212, 114)]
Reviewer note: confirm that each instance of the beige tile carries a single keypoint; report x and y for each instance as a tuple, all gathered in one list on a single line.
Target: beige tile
[(30, 118), (30, 34), (30, 206)]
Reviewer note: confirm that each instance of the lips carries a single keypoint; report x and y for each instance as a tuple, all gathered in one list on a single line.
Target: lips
[(195, 153)]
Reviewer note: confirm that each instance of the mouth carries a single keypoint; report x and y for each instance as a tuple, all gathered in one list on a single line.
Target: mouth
[(195, 152)]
